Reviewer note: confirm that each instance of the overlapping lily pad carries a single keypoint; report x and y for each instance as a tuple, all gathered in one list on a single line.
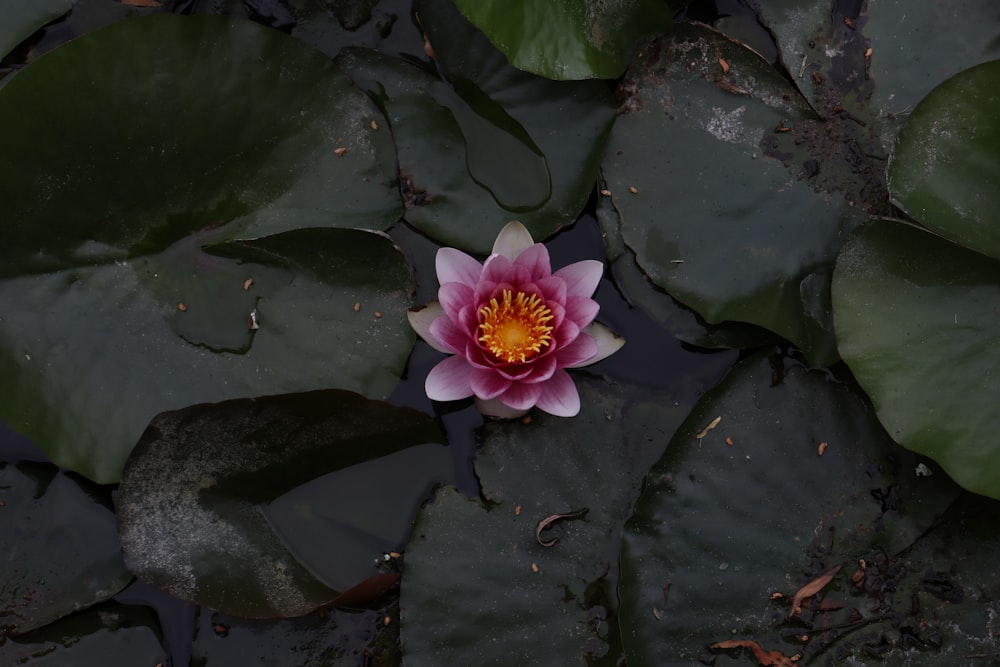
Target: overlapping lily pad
[(946, 163), (794, 478), (917, 316), (59, 551), (568, 39), (19, 19), (113, 310), (490, 143), (130, 634), (274, 506), (733, 196), (479, 588), (918, 321)]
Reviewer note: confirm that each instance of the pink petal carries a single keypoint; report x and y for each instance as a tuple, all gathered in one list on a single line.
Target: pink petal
[(477, 357), (580, 309), (485, 290), (421, 321), (607, 343), (451, 338), (566, 334), (468, 319), (455, 295), (536, 261), (558, 315), (543, 369), (521, 396), (512, 240), (515, 371), (559, 396), (498, 269), (582, 278), (449, 380), (488, 384), (454, 266), (553, 289), (578, 353)]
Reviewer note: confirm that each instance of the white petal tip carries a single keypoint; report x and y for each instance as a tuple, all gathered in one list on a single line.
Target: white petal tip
[(512, 240), (495, 409), (608, 342), (421, 318)]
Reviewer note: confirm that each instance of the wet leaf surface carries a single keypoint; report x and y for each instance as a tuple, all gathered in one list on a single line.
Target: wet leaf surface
[(130, 634), (274, 506), (718, 199), (918, 323), (59, 551), (496, 147), (724, 535), (563, 39), (478, 587), (109, 213)]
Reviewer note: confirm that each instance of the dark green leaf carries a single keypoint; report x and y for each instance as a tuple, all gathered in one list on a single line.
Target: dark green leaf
[(732, 216), (84, 375), (469, 593), (59, 551), (918, 322), (19, 19), (720, 528), (112, 632), (568, 39), (946, 165), (186, 133), (490, 143), (273, 506)]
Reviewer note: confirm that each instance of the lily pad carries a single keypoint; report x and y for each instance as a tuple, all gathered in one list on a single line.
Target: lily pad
[(113, 346), (679, 320), (485, 143), (107, 210), (130, 634), (918, 322), (506, 598), (740, 542), (946, 163), (568, 39), (276, 505), (60, 548), (918, 44), (18, 20), (332, 638), (730, 210)]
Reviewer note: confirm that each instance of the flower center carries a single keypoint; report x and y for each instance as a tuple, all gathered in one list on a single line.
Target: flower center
[(516, 328)]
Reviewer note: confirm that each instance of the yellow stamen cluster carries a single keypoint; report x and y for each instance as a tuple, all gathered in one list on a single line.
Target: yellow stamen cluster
[(516, 328)]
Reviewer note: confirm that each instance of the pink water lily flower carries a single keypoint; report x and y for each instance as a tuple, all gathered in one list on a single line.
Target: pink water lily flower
[(513, 327)]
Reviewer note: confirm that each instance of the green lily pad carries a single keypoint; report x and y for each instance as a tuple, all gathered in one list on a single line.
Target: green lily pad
[(108, 210), (917, 44), (18, 20), (725, 535), (130, 634), (84, 375), (59, 550), (568, 39), (918, 322), (470, 594), (680, 321), (732, 215), (946, 163), (489, 144), (274, 506)]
